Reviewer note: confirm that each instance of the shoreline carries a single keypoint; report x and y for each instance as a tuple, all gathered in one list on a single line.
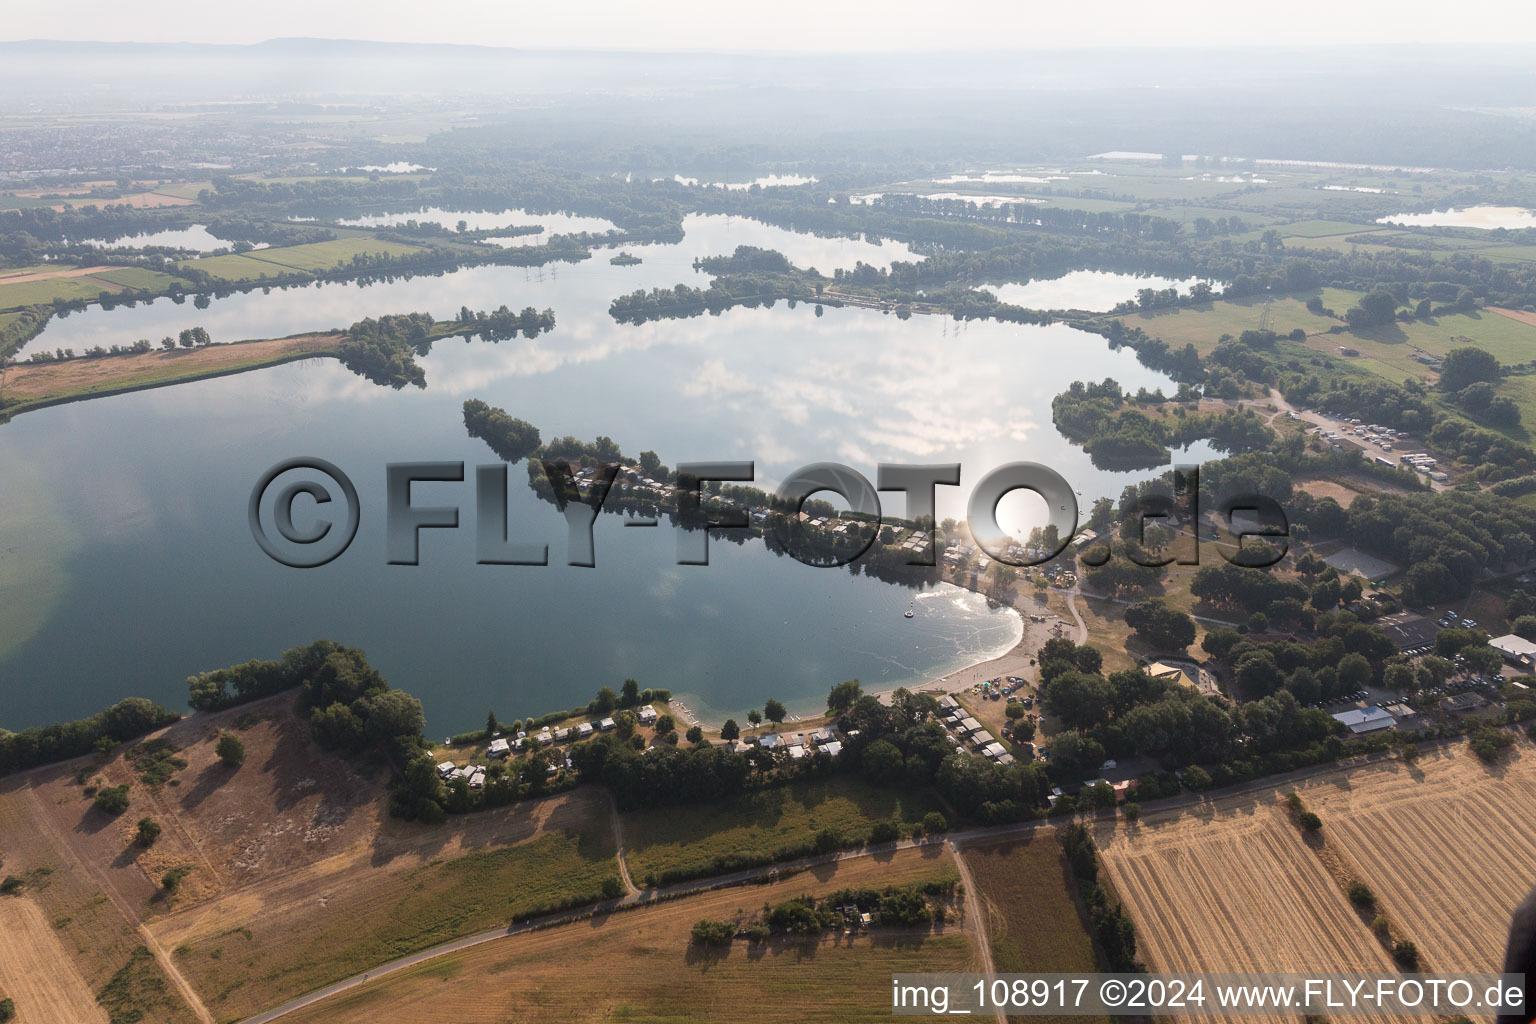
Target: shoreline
[(1017, 660)]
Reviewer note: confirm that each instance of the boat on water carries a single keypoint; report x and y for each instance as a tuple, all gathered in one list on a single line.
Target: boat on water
[(909, 612)]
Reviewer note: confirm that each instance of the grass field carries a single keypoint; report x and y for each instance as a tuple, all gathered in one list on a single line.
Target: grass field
[(1448, 847), (183, 189), (1026, 888), (32, 293), (138, 278), (640, 966), (1388, 351), (1203, 326), (244, 963), (234, 267), (692, 838), (327, 255)]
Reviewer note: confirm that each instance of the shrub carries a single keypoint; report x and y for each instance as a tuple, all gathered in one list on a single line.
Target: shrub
[(231, 750), (1310, 821), (112, 799), (713, 933), (1361, 896), (884, 832), (12, 885), (934, 823), (171, 880), (149, 831), (1407, 955), (7, 1010), (827, 840), (1132, 811), (613, 887), (1382, 927), (758, 932)]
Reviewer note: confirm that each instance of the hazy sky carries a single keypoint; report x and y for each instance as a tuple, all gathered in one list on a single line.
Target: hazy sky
[(836, 25)]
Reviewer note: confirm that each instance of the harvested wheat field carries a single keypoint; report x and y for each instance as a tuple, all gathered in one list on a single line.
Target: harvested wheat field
[(37, 973), (1231, 887), (640, 964), (1448, 846)]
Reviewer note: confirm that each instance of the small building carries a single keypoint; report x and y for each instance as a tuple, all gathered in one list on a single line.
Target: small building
[(1364, 720), (1408, 630), (969, 727), (1408, 720), (445, 769), (821, 737), (606, 725), (796, 752), (1354, 562), (645, 715), (500, 748), (1516, 649), (834, 748), (477, 780), (561, 735), (584, 730), (769, 740), (1164, 672), (994, 750), (1462, 703)]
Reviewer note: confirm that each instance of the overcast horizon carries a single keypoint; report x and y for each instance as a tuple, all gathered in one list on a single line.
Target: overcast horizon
[(796, 26)]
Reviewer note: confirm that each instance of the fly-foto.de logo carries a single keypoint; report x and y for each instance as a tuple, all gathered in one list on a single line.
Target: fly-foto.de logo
[(703, 497)]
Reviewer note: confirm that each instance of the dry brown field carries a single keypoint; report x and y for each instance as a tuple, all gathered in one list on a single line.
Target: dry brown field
[(82, 377), (37, 973), (640, 965), (1448, 846)]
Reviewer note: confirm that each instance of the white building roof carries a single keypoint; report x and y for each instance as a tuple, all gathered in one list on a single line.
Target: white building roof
[(1513, 646), (1366, 719), (834, 748)]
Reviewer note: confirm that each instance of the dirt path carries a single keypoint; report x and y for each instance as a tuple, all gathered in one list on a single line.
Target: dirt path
[(1082, 627), (978, 921), (83, 867), (630, 888), (37, 973)]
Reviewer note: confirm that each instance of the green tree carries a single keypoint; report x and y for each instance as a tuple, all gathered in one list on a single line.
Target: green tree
[(148, 832), (755, 718), (843, 696), (1465, 366), (934, 823), (1160, 625), (231, 750), (695, 734), (774, 711), (111, 800), (730, 730)]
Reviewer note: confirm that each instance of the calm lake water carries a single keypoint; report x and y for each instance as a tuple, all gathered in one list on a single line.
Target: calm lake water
[(195, 237), (126, 562), (1091, 290), (1489, 217)]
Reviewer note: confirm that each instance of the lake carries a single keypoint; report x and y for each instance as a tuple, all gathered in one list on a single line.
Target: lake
[(195, 237), (1091, 290), (1489, 217), (126, 562)]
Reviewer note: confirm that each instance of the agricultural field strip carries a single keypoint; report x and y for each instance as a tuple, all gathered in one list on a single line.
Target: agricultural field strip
[(1233, 896), (1414, 845)]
